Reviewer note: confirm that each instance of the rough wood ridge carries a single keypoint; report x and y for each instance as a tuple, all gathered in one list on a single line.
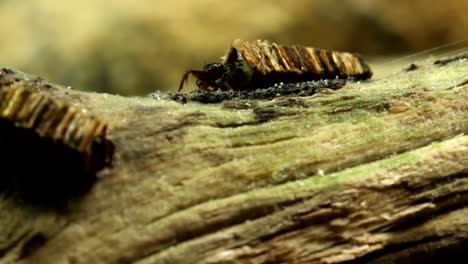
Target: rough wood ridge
[(374, 172)]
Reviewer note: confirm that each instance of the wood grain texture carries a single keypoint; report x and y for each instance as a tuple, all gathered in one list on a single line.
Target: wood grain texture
[(375, 171)]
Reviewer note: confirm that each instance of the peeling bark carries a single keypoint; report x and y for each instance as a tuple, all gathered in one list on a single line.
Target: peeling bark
[(373, 172)]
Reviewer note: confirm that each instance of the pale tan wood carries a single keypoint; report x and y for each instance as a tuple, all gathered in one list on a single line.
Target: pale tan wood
[(376, 171)]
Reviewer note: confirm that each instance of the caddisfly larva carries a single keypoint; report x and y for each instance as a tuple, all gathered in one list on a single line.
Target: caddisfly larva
[(261, 64)]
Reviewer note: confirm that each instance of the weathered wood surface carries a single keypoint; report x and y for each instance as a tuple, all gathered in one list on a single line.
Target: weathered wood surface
[(373, 172)]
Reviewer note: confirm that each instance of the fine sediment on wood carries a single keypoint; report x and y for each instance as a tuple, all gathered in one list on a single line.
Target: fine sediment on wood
[(374, 172)]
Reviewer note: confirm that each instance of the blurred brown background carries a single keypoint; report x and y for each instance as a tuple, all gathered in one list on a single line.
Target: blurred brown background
[(134, 47)]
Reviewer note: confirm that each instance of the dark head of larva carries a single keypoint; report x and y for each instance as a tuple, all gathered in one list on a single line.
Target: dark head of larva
[(233, 75), (212, 76)]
